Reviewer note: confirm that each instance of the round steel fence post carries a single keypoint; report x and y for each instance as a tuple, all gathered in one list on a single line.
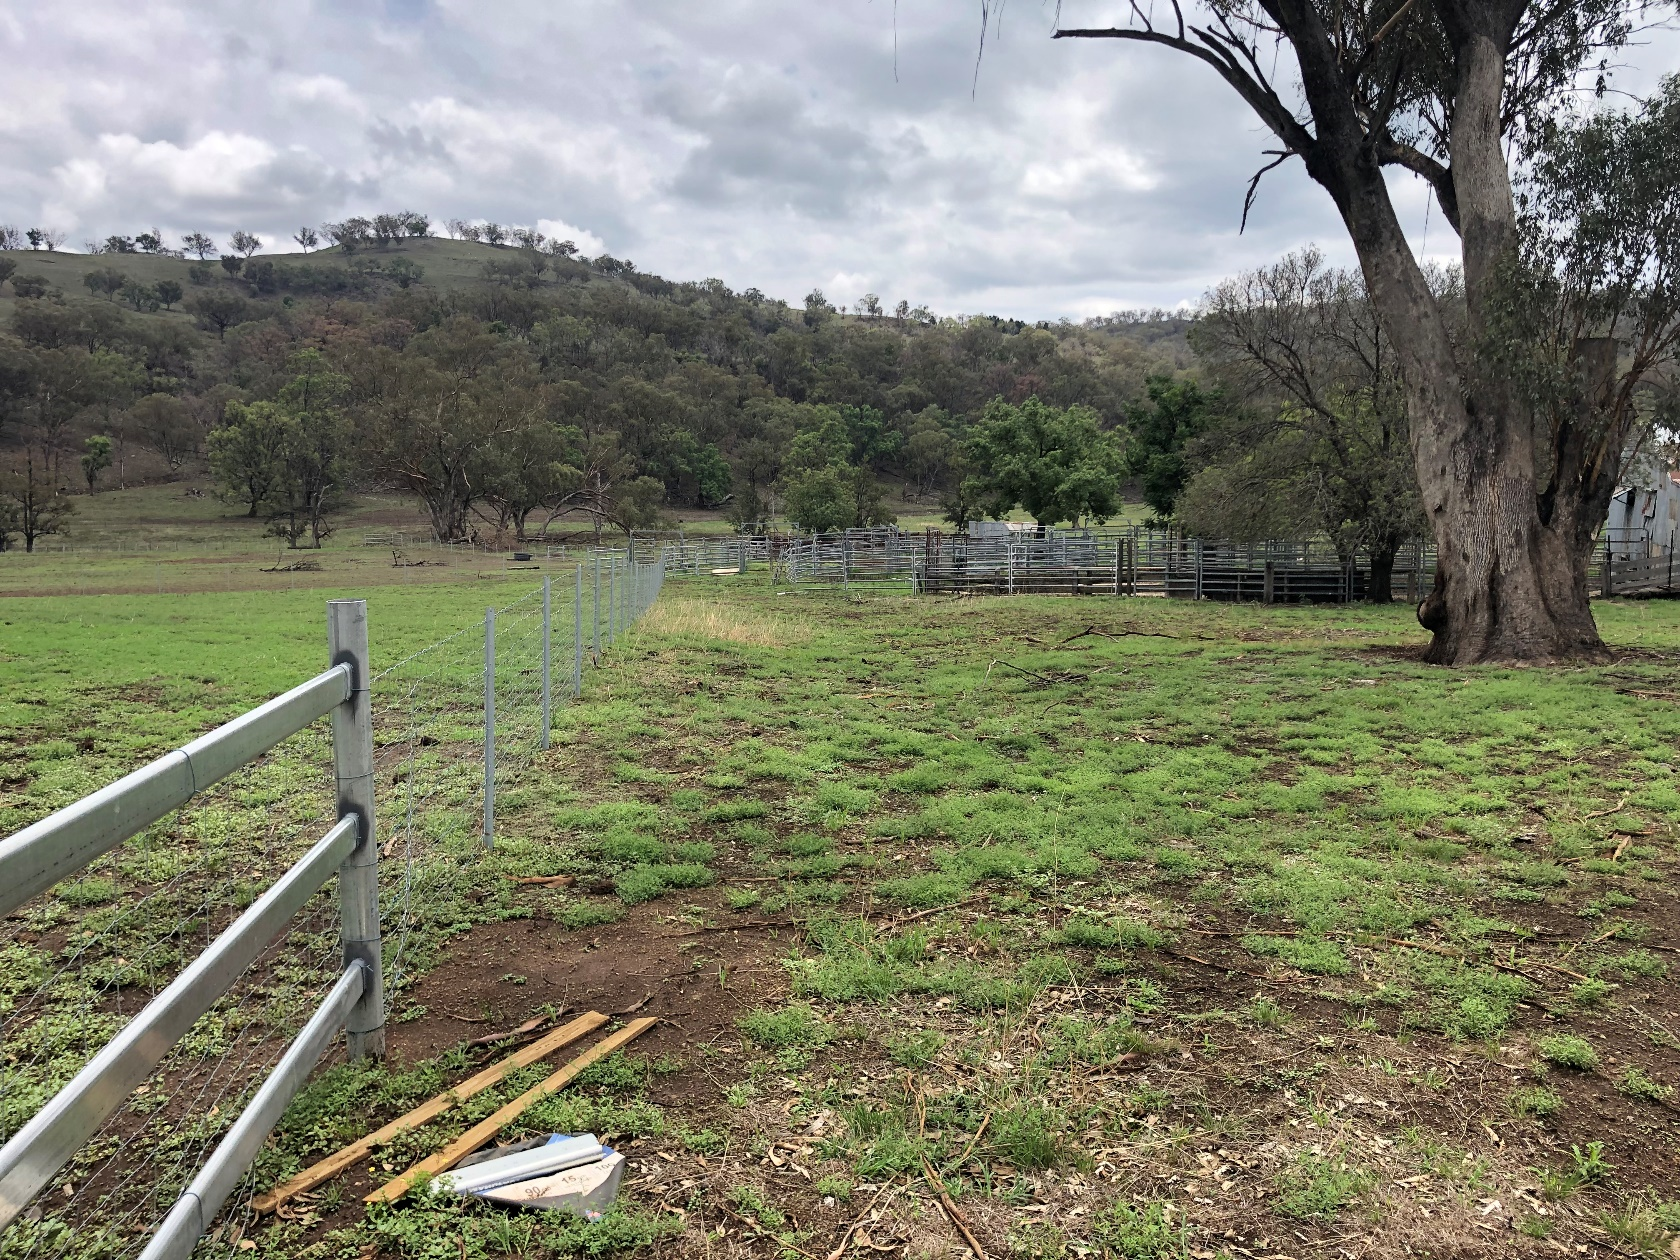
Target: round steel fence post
[(358, 876), (489, 728)]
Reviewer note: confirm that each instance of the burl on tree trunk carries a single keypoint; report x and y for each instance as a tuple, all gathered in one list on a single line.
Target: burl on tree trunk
[(1512, 556)]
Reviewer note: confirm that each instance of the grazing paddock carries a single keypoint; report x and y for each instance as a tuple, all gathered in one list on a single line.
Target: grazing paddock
[(1146, 928)]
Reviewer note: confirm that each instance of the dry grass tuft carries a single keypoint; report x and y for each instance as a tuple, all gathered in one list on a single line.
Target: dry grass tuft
[(715, 619)]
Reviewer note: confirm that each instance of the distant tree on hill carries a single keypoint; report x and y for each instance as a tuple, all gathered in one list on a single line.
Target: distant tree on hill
[(307, 237), (405, 271), (164, 426), (151, 242), (29, 286), (106, 280), (10, 237), (142, 297), (48, 239), (233, 264), (245, 243), (96, 458), (1057, 463), (168, 292), (415, 223), (38, 508), (563, 249), (199, 244), (388, 227), (1159, 433), (527, 238), (119, 245), (494, 233), (245, 453), (219, 310), (350, 234)]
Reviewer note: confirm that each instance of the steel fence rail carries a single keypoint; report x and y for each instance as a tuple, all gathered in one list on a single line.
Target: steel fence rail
[(40, 855), (193, 1212), (519, 707), (59, 845), (42, 1146)]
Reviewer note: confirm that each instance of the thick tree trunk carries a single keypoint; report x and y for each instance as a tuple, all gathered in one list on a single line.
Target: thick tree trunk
[(1381, 590), (1509, 586)]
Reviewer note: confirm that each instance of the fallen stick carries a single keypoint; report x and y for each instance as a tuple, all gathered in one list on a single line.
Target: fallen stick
[(530, 1025), (486, 1129), (840, 1247), (922, 914), (955, 1216), (331, 1166), (547, 881)]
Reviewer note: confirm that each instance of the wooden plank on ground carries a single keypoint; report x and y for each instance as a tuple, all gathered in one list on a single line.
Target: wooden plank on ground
[(334, 1164), (486, 1129)]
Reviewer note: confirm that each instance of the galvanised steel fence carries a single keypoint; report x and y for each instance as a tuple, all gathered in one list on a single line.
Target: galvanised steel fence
[(1134, 561), (163, 1109), (64, 843)]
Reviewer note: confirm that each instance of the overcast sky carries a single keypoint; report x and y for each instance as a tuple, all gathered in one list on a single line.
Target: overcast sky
[(840, 145)]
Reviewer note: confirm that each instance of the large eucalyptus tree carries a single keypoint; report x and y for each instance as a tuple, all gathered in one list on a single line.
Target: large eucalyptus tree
[(1522, 404)]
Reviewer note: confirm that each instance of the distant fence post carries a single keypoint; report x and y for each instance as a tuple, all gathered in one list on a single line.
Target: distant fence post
[(489, 728), (577, 636), (358, 875), (595, 608), (547, 695), (1268, 583), (1609, 568)]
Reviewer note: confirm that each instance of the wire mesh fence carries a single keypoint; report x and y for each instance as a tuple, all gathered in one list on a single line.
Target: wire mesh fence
[(77, 963), (80, 961)]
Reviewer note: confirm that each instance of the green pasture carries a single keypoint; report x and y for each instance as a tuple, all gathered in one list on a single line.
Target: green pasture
[(1195, 874)]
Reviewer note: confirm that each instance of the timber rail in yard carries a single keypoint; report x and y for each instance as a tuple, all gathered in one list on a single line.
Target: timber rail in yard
[(42, 854)]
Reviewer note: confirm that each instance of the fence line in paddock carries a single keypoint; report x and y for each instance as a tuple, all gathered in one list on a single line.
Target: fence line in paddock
[(104, 1125), (1127, 562), (1135, 561)]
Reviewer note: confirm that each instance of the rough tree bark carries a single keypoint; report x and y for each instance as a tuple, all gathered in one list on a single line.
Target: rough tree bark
[(1512, 552)]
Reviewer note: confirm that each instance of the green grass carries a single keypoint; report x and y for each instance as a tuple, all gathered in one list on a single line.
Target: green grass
[(1568, 1051), (1136, 888)]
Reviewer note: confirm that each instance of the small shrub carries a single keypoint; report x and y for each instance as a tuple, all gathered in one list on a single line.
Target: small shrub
[(703, 1141), (1635, 1084), (92, 891), (1590, 1166), (1141, 1233), (915, 1050), (1536, 1101), (1639, 1229), (1319, 1186), (1590, 992), (735, 811), (1319, 957), (834, 1187), (1028, 1136), (752, 1203), (644, 883), (1569, 1051), (794, 1026), (583, 914)]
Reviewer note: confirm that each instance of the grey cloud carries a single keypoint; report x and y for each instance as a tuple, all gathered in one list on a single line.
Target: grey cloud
[(760, 146), (767, 144), (395, 142)]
